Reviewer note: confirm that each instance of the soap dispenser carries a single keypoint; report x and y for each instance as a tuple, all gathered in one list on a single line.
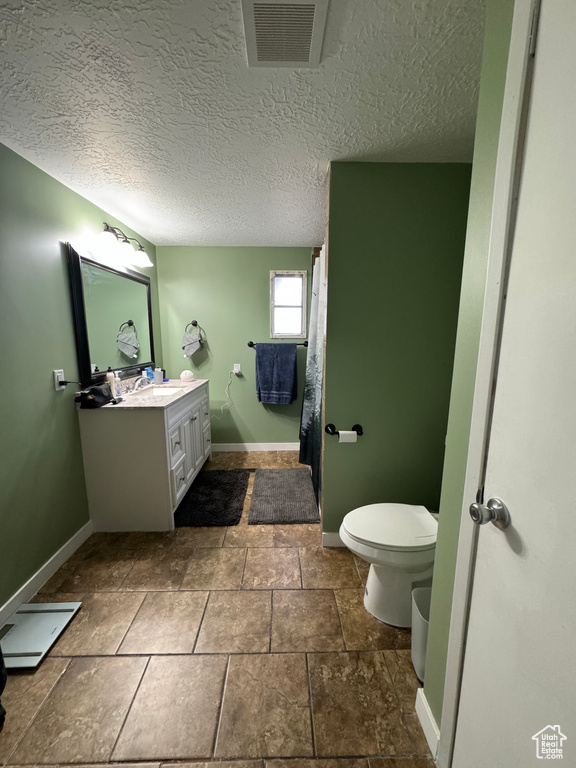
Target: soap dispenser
[(110, 379)]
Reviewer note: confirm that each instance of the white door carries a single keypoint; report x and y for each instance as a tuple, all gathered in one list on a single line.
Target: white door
[(519, 673)]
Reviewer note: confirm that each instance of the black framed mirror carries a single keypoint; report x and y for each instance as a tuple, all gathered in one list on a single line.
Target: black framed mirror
[(106, 302)]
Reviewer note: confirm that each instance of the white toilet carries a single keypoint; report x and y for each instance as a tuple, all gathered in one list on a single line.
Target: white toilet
[(399, 542)]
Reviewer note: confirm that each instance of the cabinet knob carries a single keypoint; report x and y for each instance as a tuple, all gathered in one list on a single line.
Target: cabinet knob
[(182, 480), (194, 418), (208, 440), (177, 443)]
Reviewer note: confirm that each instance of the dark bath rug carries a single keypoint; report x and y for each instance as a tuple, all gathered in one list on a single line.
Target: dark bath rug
[(283, 496), (216, 497)]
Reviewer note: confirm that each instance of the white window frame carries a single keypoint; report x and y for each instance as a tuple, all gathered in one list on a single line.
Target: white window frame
[(302, 273)]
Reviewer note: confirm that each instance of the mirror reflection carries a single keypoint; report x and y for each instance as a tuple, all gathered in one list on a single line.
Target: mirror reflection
[(111, 301)]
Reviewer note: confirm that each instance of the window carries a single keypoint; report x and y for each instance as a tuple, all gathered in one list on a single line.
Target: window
[(288, 304)]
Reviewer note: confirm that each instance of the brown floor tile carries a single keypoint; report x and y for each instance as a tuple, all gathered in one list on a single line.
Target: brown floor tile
[(99, 626), (101, 571), (175, 711), (305, 535), (328, 568), (236, 622), (192, 537), (58, 597), (215, 569), (142, 540), (305, 620), (80, 720), (404, 678), (162, 570), (223, 764), (167, 622), (401, 762), (271, 568), (343, 762), (266, 710), (362, 632), (354, 706), (417, 734), (249, 536), (23, 696)]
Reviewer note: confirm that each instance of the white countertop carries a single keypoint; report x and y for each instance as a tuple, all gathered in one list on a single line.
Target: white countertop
[(144, 398)]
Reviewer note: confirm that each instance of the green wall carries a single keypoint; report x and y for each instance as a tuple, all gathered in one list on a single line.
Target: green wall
[(395, 248), (42, 495), (228, 291), (497, 38)]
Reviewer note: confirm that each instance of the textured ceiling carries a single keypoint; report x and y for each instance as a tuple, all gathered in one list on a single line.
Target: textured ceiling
[(149, 110)]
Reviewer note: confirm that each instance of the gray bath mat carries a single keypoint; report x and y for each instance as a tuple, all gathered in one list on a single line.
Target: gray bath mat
[(216, 497), (283, 496)]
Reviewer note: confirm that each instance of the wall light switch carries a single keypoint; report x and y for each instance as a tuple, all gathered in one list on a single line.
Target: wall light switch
[(58, 377), (237, 369)]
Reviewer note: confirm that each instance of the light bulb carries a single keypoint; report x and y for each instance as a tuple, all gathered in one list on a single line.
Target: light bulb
[(126, 253), (141, 259)]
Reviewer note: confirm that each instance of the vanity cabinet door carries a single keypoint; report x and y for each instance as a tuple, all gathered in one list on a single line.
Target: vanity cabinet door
[(207, 442), (205, 413), (196, 422), (179, 481)]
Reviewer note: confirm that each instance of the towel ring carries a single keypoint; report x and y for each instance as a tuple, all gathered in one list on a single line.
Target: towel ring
[(128, 322)]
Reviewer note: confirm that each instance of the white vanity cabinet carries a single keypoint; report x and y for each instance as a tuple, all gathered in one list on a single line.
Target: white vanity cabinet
[(142, 455)]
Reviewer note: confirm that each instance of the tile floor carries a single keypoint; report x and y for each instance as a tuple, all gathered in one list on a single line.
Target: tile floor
[(248, 646)]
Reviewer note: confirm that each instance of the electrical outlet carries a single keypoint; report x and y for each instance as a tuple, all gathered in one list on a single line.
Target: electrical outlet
[(58, 377), (237, 369)]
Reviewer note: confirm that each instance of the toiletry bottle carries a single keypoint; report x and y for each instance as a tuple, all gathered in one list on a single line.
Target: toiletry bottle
[(150, 373), (117, 387), (158, 376), (110, 379)]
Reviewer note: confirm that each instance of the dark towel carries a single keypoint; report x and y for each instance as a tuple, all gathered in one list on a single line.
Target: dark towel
[(276, 373)]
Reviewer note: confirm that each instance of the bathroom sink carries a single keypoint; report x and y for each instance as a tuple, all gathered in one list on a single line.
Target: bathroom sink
[(165, 391)]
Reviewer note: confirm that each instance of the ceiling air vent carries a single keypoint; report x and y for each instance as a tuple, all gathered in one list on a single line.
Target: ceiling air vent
[(284, 34)]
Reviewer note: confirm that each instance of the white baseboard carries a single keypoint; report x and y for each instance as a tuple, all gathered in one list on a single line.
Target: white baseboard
[(220, 447), (331, 540), (29, 589), (427, 721)]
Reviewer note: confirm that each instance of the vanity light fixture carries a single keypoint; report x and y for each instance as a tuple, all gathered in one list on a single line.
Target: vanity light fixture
[(123, 250)]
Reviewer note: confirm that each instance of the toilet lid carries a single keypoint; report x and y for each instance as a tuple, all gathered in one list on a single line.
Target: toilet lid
[(392, 526)]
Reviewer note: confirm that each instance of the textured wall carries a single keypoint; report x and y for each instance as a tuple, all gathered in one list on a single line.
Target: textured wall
[(228, 291), (149, 110), (498, 26), (395, 248), (42, 496)]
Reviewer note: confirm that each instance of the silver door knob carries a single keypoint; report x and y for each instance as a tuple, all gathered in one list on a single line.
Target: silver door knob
[(494, 511)]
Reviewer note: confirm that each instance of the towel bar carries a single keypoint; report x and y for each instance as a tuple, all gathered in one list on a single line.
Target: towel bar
[(298, 344)]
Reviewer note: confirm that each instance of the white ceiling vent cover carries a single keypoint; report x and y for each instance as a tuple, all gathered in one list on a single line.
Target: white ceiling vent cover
[(284, 34)]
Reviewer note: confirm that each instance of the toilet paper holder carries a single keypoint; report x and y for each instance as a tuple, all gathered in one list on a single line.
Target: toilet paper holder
[(330, 429)]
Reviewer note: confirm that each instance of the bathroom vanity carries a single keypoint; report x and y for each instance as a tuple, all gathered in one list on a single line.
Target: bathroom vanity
[(142, 455)]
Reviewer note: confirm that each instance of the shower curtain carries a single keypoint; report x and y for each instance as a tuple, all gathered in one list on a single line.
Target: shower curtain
[(311, 422)]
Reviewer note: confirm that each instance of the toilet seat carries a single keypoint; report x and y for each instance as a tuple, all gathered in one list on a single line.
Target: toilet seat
[(400, 527)]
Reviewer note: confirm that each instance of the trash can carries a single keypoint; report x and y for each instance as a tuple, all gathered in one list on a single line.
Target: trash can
[(420, 620)]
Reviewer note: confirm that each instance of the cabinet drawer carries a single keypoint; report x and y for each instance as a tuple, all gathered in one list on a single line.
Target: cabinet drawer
[(176, 443), (178, 480), (205, 413)]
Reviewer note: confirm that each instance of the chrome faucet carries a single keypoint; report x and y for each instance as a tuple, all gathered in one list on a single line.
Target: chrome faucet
[(140, 383)]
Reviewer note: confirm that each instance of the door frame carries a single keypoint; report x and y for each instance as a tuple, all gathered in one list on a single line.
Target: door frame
[(508, 166)]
